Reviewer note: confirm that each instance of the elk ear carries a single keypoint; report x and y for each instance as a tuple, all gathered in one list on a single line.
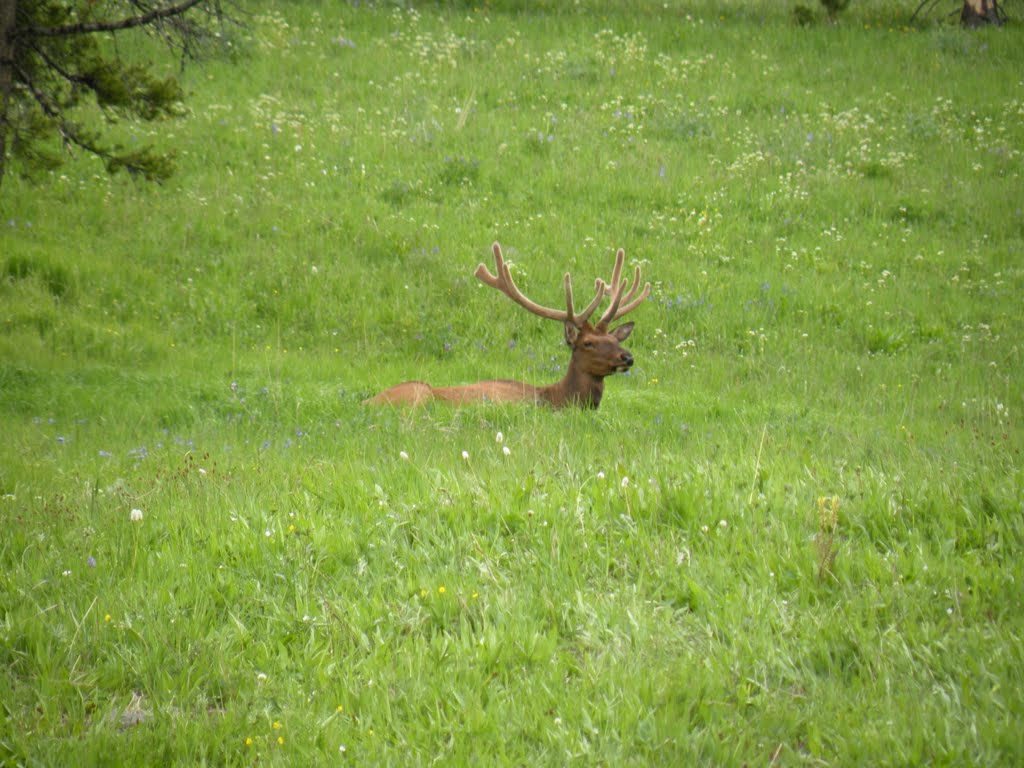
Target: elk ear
[(572, 332), (622, 332)]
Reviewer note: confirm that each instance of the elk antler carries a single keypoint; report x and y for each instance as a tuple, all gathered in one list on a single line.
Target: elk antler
[(622, 305), (504, 283)]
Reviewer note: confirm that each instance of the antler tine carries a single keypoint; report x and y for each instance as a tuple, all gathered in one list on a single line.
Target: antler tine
[(484, 275), (620, 257), (636, 284), (599, 292), (620, 305), (635, 303), (617, 286), (503, 282)]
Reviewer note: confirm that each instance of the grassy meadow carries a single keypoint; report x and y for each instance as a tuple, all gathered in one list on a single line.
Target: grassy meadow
[(791, 535)]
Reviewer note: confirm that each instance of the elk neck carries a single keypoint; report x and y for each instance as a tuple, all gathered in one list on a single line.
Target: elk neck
[(577, 387)]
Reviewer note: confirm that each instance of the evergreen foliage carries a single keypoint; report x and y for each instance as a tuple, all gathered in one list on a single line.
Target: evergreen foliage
[(61, 79)]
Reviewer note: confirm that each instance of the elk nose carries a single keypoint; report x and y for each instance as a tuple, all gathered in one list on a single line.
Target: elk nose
[(627, 360)]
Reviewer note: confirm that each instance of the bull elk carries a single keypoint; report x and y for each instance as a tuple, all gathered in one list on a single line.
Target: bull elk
[(597, 351)]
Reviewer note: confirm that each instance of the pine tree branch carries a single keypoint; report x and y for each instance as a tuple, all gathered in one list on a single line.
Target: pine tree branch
[(108, 26), (921, 7), (49, 109), (72, 136), (68, 131), (56, 67)]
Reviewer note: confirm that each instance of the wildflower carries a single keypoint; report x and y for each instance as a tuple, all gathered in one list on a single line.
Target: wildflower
[(90, 561), (723, 524), (403, 455), (341, 749), (135, 516), (276, 725), (107, 618), (441, 590), (625, 482), (600, 475), (248, 741), (499, 438), (261, 677), (505, 450), (340, 708), (465, 455), (423, 592)]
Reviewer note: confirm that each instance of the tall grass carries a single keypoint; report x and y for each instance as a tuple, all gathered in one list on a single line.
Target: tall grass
[(789, 535)]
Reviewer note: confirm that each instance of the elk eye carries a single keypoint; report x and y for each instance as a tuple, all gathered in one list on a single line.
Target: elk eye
[(588, 345)]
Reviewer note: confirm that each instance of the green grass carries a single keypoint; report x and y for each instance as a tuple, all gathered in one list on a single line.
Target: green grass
[(832, 220)]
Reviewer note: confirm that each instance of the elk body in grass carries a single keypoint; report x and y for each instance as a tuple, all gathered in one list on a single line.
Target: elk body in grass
[(597, 350)]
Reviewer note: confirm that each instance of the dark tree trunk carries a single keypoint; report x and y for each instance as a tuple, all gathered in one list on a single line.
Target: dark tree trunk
[(8, 17), (976, 13)]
